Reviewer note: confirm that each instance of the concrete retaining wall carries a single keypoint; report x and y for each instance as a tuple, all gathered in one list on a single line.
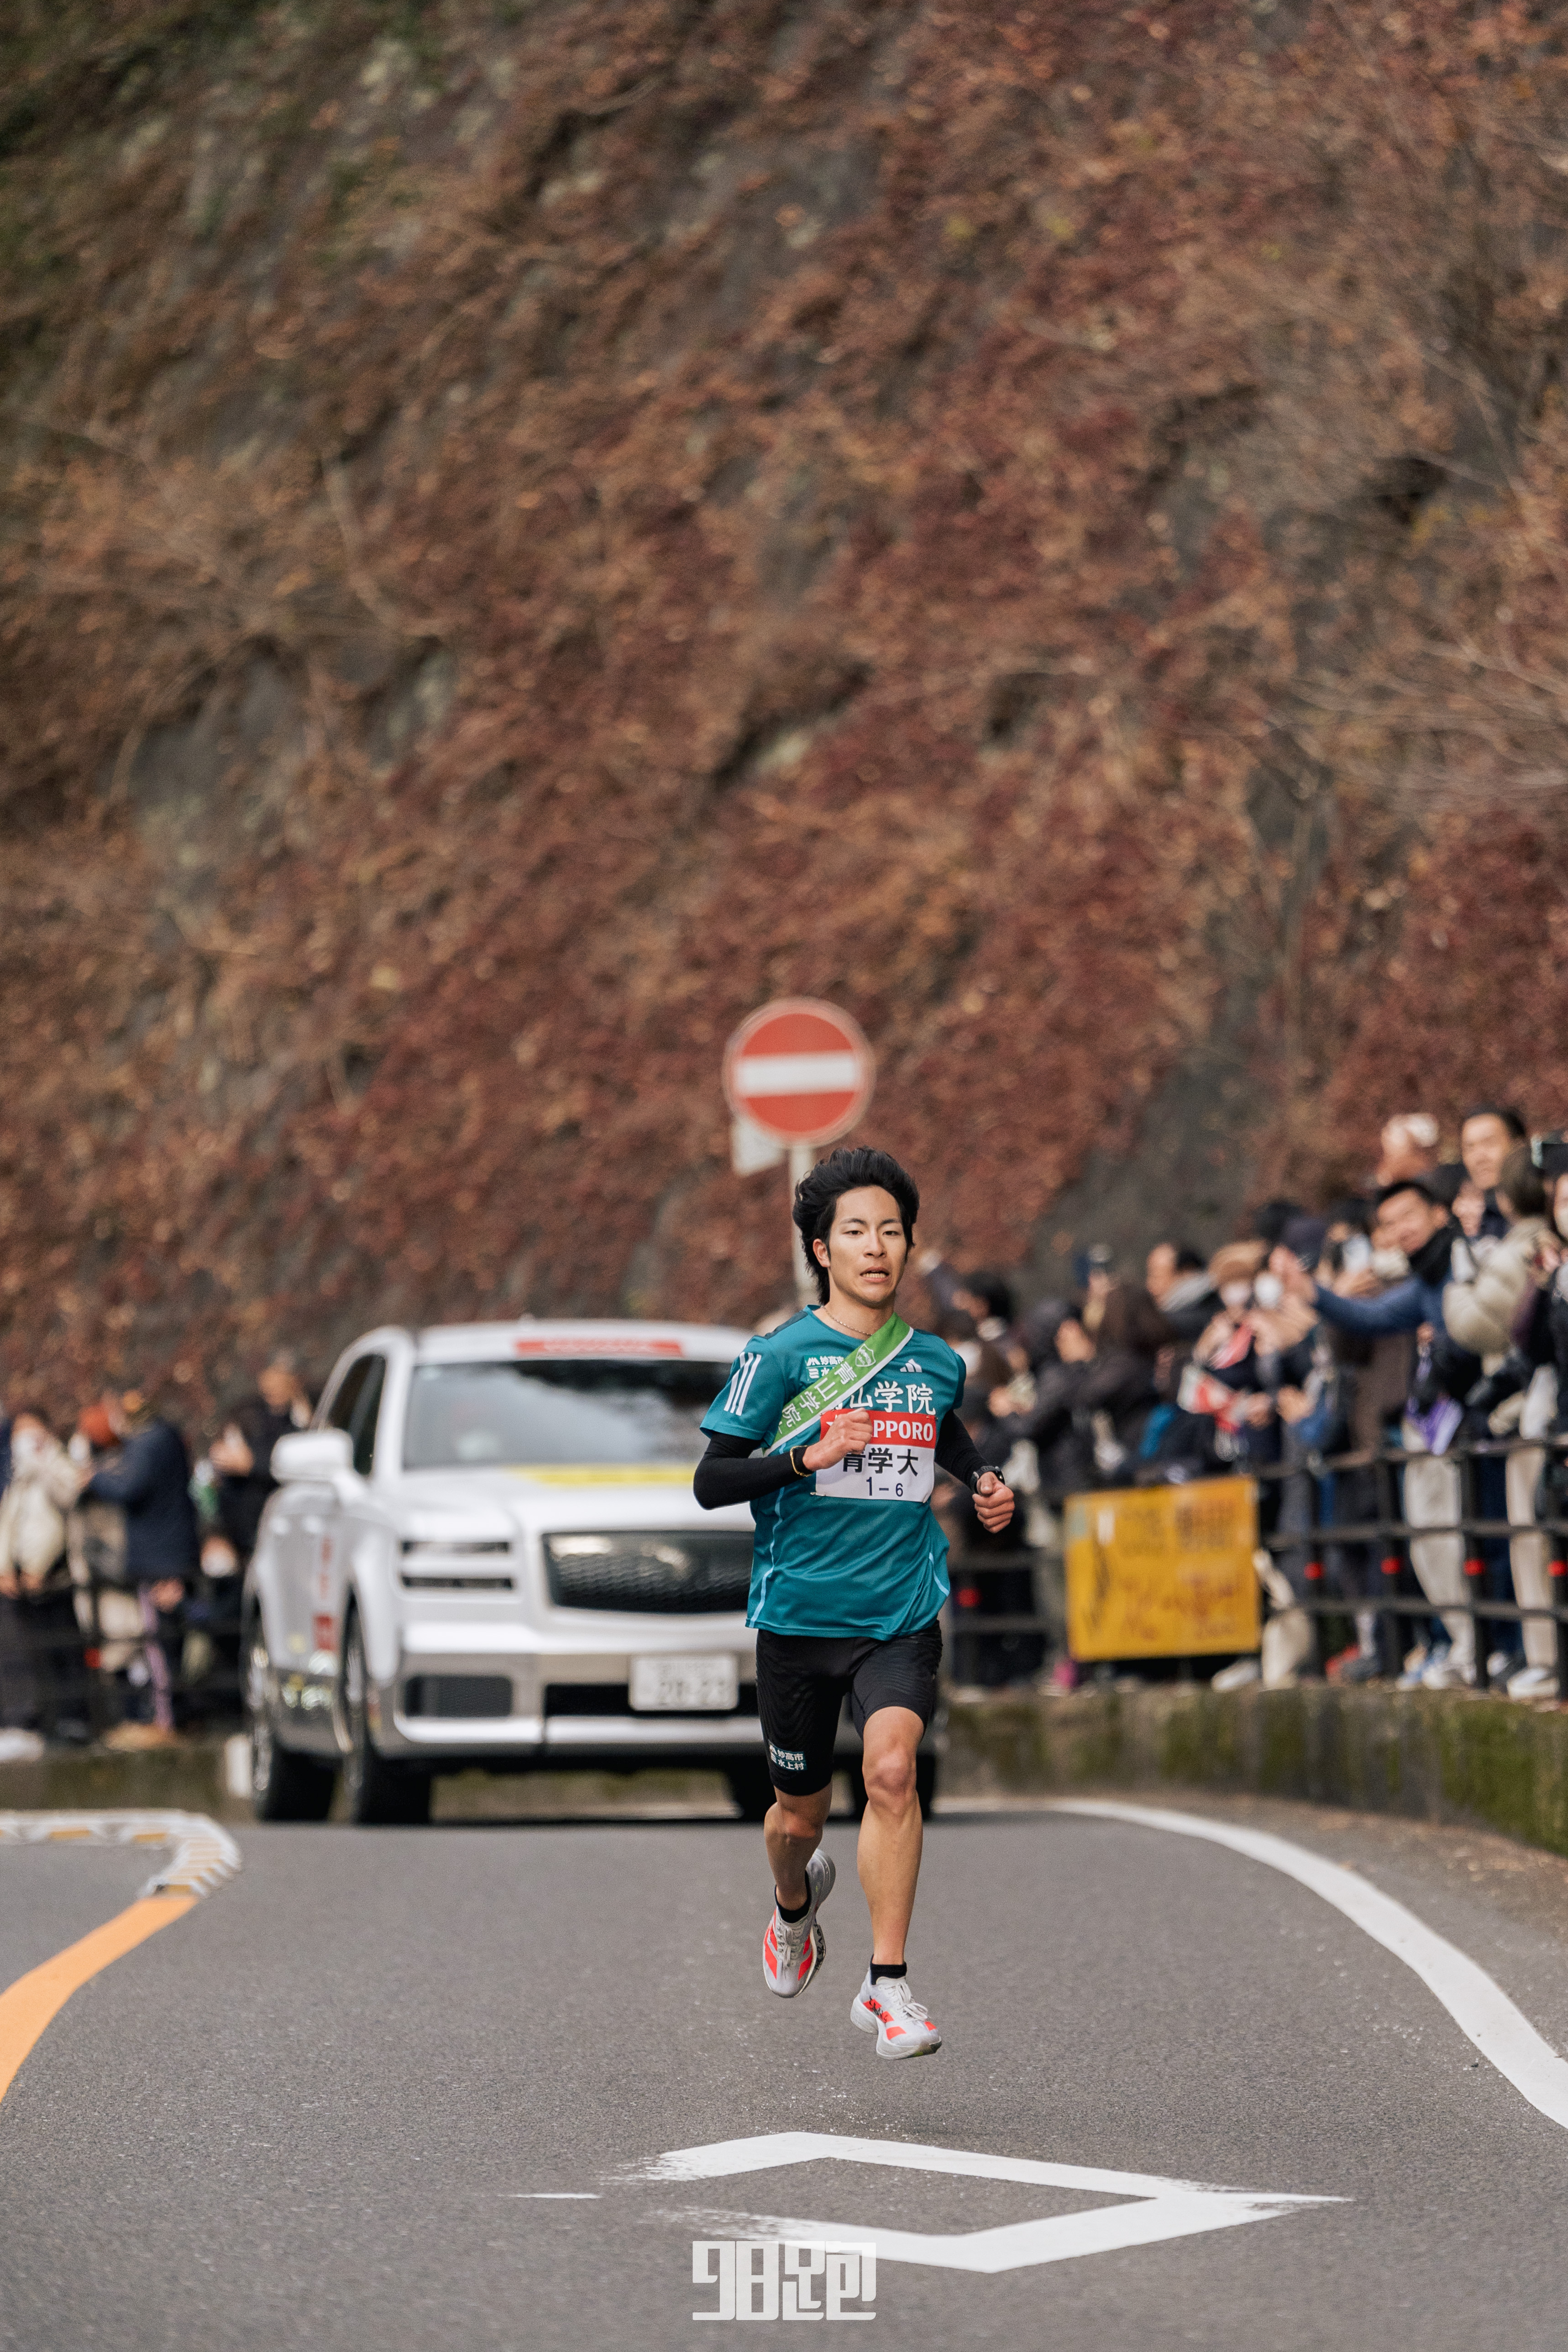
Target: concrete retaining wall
[(1434, 1755), (187, 1779)]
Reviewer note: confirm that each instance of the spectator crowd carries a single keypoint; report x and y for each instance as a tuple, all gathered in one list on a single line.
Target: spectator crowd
[(120, 1567), (1397, 1355)]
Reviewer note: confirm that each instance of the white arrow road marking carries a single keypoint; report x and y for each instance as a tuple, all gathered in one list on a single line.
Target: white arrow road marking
[(1478, 2006), (797, 1074), (1165, 2208)]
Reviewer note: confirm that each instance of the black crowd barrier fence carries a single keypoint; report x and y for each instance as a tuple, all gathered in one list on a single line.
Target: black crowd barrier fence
[(54, 1670), (1398, 1594)]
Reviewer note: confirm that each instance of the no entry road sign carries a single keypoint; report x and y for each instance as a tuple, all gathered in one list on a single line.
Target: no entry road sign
[(800, 1070)]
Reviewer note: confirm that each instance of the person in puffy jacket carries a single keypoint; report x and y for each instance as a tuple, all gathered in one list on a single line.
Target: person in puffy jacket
[(1479, 1309), (152, 1482), (1484, 1296), (1541, 1332), (43, 1682)]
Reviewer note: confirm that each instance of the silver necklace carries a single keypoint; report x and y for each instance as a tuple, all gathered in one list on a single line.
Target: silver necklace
[(829, 1317)]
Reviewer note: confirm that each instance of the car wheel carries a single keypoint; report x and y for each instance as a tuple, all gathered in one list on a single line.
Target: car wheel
[(752, 1790), (377, 1793), (284, 1785)]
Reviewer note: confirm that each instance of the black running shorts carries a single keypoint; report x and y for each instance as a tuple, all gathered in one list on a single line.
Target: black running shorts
[(802, 1681)]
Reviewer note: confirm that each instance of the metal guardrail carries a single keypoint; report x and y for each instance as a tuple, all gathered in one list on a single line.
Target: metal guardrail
[(1399, 1595), (1396, 1533)]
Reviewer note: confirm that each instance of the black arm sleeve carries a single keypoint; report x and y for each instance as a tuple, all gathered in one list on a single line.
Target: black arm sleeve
[(956, 1451), (730, 1473), (725, 1474)]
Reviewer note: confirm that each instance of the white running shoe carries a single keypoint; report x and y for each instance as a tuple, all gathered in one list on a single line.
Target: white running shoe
[(794, 1949), (1534, 1682), (890, 2010)]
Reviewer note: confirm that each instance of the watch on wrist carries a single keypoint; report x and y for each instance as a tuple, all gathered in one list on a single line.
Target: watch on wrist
[(796, 1461), (985, 1470)]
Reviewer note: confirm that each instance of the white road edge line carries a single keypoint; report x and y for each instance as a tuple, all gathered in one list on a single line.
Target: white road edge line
[(204, 1855), (1478, 2006)]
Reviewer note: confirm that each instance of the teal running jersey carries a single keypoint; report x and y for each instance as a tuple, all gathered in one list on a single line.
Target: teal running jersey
[(854, 1549)]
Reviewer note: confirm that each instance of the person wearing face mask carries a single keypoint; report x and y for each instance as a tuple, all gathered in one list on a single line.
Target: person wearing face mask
[(1413, 1221), (43, 1680), (1223, 1408), (1177, 1279)]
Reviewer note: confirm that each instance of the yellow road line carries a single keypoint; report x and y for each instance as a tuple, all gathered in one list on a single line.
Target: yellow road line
[(27, 2006)]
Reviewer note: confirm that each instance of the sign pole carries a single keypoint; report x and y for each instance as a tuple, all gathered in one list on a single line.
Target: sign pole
[(797, 1076), (802, 1160)]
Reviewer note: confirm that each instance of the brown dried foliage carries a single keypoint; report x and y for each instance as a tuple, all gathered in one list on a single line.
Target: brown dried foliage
[(532, 530)]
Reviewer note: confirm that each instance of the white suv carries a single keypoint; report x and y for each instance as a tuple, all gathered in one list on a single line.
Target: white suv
[(485, 1550)]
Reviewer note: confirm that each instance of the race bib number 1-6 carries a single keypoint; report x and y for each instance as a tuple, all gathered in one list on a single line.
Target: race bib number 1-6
[(899, 1465)]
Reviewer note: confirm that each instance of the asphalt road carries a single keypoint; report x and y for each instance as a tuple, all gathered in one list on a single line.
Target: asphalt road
[(395, 2089)]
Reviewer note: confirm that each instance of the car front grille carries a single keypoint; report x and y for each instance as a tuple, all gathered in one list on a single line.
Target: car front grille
[(665, 1573)]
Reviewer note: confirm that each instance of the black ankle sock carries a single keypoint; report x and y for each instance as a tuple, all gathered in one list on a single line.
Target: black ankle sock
[(888, 1968), (788, 1916)]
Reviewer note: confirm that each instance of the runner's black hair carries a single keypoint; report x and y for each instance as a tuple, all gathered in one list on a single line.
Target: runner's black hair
[(817, 1197)]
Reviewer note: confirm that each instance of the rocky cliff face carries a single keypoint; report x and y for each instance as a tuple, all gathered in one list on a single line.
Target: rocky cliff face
[(534, 526)]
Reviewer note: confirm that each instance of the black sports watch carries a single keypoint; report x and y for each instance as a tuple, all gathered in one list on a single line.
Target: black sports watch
[(985, 1470)]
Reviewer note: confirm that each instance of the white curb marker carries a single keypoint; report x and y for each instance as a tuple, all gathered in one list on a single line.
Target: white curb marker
[(204, 1856), (1478, 2006)]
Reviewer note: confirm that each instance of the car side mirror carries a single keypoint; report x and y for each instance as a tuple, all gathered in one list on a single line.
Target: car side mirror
[(314, 1454)]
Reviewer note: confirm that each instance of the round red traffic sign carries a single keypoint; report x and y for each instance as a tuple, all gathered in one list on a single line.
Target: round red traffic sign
[(800, 1070)]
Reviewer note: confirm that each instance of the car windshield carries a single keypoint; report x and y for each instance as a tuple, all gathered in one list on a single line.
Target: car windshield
[(562, 1412)]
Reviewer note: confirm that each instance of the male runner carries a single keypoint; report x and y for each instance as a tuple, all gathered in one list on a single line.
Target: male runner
[(854, 1412)]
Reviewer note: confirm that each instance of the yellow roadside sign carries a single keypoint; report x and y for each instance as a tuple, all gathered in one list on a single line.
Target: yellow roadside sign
[(1163, 1571)]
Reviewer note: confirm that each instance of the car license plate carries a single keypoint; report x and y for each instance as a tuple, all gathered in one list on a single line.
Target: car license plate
[(685, 1685)]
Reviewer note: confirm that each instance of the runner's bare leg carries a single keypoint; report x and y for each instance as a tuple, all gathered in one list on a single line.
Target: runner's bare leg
[(792, 1830), (891, 1836)]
